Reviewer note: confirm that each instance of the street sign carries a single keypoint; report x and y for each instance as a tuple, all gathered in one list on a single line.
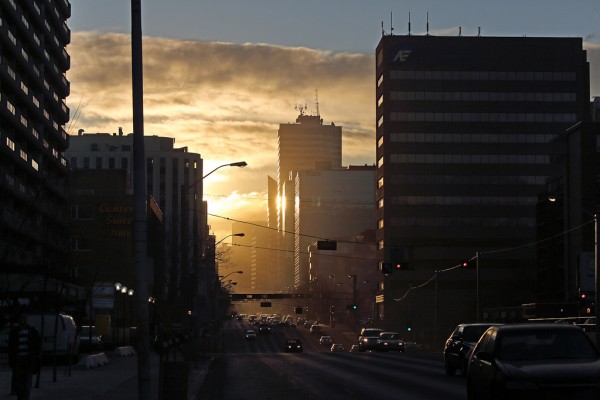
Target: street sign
[(327, 245)]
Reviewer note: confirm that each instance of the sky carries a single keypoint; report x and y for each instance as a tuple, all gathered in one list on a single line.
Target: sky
[(221, 75)]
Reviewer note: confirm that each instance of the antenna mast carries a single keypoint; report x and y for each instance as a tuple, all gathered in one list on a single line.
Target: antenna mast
[(317, 101), (391, 23), (428, 23), (409, 23)]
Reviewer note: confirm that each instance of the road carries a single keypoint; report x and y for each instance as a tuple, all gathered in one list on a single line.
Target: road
[(260, 369)]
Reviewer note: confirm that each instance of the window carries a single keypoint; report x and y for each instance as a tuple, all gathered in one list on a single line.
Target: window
[(98, 162), (111, 162)]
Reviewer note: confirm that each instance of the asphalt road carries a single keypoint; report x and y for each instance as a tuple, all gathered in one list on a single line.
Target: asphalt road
[(259, 369)]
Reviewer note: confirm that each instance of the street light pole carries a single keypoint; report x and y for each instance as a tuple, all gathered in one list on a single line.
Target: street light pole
[(332, 304), (140, 203), (597, 282)]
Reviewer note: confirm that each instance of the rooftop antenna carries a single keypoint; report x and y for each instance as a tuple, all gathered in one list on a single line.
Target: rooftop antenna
[(478, 31), (300, 108), (382, 31), (409, 23), (317, 101), (460, 31), (391, 24), (428, 23)]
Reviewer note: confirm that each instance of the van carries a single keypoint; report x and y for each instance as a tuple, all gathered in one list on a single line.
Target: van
[(63, 334)]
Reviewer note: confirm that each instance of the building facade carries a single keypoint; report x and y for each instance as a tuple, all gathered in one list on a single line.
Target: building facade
[(174, 180), (34, 239), (330, 203), (464, 126), (301, 146)]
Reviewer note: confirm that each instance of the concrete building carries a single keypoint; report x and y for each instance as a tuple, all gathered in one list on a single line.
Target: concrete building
[(464, 126), (301, 146), (331, 203), (34, 238), (102, 252), (174, 179)]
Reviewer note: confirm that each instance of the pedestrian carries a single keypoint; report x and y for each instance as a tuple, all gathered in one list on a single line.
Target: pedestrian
[(24, 356)]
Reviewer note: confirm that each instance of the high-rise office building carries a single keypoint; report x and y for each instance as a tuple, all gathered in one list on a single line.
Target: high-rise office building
[(34, 217), (464, 126), (303, 145)]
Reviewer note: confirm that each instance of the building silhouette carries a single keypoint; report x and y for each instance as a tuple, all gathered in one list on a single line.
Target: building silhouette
[(464, 126), (174, 180), (34, 238)]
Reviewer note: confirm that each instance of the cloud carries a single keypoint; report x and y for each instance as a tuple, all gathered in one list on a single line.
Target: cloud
[(226, 101), (222, 100)]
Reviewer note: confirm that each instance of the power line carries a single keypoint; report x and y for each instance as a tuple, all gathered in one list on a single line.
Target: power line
[(284, 231), (493, 252)]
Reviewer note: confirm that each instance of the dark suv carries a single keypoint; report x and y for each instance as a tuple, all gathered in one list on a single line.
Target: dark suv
[(368, 339), (459, 345)]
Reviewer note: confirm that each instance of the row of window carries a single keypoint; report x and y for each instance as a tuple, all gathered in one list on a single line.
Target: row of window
[(99, 163), (483, 96), (527, 159), (468, 180), (566, 76), (473, 222), (464, 200), (481, 117), (509, 138), (124, 147)]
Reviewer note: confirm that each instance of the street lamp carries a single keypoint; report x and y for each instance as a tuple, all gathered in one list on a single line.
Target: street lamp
[(233, 234), (231, 273), (239, 164)]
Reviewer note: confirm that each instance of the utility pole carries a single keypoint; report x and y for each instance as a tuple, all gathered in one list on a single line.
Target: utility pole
[(140, 206)]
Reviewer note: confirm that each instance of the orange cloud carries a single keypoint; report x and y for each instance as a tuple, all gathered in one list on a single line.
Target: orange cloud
[(224, 101)]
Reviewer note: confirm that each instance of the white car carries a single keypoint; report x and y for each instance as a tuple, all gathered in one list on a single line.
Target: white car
[(337, 347)]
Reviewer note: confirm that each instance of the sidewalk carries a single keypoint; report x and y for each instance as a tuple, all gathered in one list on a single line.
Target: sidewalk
[(116, 380)]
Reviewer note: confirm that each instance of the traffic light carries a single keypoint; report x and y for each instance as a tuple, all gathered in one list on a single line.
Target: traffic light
[(352, 307), (399, 266), (586, 303), (409, 326), (470, 263), (327, 245)]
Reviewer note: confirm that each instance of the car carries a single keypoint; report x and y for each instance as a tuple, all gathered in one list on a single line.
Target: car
[(534, 361), (390, 341), (325, 340), (90, 340), (316, 329), (263, 327), (459, 344), (354, 348), (250, 334), (368, 339), (337, 348), (293, 346)]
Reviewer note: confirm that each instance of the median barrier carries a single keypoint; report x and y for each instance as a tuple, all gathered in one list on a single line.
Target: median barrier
[(124, 351), (94, 360)]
